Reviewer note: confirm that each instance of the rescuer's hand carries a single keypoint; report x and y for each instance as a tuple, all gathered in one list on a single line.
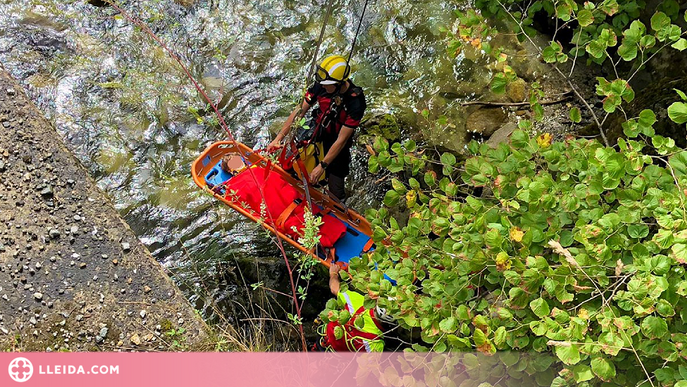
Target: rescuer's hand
[(334, 269), (316, 174), (274, 145)]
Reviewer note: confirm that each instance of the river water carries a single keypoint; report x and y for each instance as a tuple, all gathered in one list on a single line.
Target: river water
[(129, 113)]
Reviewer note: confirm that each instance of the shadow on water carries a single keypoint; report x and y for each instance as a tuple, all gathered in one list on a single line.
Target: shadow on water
[(136, 122)]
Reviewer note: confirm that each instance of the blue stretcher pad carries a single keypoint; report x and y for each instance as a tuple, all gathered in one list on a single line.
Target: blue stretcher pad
[(350, 245)]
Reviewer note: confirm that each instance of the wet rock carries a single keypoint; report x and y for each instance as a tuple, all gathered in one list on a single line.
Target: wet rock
[(486, 121), (517, 90)]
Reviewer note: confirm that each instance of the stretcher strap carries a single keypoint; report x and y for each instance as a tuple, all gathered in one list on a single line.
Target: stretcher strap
[(287, 212), (368, 245)]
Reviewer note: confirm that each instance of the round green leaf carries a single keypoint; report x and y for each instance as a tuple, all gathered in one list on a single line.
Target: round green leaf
[(647, 41), (540, 307), (611, 343), (665, 309), (595, 49), (627, 51), (448, 159), (582, 373), (603, 368), (568, 354), (539, 328), (654, 327), (638, 230), (575, 115), (448, 325), (585, 17), (659, 21), (678, 112), (391, 198), (680, 45)]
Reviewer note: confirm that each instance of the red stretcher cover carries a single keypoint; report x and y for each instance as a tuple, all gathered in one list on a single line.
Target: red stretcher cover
[(283, 203)]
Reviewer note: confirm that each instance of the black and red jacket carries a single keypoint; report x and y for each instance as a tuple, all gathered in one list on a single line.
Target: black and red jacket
[(349, 113)]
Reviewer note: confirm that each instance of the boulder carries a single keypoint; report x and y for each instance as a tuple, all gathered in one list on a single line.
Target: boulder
[(517, 90), (502, 134), (486, 121)]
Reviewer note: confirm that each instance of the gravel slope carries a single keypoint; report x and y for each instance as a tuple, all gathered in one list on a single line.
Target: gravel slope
[(73, 276)]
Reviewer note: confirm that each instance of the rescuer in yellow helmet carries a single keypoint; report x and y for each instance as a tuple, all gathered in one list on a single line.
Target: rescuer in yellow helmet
[(340, 107)]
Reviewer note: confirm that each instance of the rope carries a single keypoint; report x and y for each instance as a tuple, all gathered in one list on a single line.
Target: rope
[(357, 31), (292, 132), (319, 41)]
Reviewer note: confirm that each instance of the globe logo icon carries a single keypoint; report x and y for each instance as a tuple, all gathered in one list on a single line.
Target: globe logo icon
[(20, 369)]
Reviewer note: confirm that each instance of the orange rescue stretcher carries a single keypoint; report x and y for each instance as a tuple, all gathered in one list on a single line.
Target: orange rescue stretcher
[(265, 193)]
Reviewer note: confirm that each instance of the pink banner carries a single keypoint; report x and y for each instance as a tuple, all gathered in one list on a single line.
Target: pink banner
[(265, 369)]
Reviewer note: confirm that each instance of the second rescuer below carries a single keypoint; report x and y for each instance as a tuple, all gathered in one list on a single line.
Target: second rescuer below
[(341, 106)]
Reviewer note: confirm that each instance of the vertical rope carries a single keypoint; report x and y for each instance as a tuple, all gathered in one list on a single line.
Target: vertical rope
[(319, 41), (357, 31)]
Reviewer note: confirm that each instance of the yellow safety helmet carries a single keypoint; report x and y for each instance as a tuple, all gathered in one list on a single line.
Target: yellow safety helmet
[(333, 69)]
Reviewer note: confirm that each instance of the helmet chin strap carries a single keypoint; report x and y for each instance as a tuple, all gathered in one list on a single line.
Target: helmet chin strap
[(339, 86)]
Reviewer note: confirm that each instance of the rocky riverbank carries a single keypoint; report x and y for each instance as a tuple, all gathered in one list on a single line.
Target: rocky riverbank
[(73, 276)]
